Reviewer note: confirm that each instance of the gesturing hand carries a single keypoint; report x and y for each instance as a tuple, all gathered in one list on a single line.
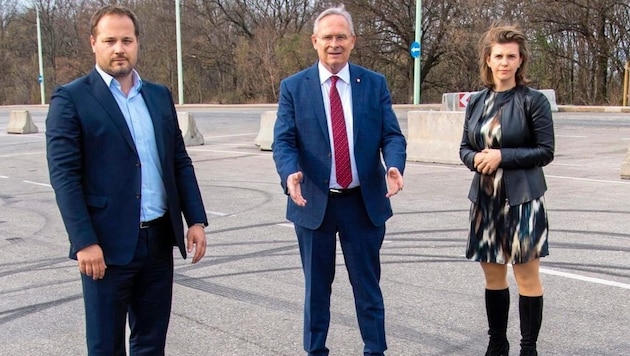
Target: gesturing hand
[(395, 182), (295, 189)]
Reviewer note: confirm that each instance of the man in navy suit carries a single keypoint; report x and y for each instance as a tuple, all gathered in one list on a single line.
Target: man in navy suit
[(335, 177), (122, 179)]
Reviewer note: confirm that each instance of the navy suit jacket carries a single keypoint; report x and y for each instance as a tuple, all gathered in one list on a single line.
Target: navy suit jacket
[(301, 142), (95, 169)]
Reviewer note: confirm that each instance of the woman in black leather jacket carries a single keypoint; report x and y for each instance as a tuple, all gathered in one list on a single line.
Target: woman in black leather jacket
[(508, 137)]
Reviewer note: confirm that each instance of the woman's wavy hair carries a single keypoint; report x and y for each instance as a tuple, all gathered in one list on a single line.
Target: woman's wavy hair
[(501, 34)]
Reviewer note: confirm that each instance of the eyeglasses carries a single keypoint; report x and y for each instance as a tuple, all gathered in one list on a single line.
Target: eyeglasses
[(337, 38)]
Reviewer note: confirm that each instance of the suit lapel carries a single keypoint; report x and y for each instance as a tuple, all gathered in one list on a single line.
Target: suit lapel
[(153, 106), (358, 99), (314, 91), (102, 94)]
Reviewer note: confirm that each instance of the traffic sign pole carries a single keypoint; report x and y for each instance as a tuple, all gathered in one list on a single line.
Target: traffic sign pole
[(416, 64)]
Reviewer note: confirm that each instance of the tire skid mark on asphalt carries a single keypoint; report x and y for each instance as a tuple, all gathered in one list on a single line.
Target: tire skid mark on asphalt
[(337, 318), (7, 316), (31, 267)]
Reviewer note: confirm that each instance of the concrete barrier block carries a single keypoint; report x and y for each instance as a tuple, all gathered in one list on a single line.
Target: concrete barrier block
[(190, 132), (456, 101), (20, 122), (264, 140), (550, 94), (434, 136), (459, 101), (625, 166)]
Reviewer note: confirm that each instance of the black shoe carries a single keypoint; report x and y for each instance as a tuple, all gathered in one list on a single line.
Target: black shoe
[(498, 348)]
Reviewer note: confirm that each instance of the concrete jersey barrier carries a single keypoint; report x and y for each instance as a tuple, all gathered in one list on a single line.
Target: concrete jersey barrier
[(458, 101), (20, 122), (187, 124), (434, 136), (264, 140), (625, 166)]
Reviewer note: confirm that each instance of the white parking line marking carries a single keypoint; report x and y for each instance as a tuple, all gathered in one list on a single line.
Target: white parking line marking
[(24, 154), (589, 180), (36, 183), (585, 279), (240, 153), (217, 213), (235, 135)]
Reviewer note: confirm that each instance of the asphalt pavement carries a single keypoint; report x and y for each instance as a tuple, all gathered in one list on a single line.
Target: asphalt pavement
[(245, 297)]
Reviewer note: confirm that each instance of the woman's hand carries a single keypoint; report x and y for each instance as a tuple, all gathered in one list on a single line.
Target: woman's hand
[(487, 161)]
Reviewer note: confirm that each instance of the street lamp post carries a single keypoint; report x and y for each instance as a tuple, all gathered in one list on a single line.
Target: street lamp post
[(180, 71), (626, 84)]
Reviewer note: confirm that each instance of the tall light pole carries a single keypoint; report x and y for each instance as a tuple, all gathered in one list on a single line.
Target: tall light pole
[(40, 78), (180, 71), (626, 84), (416, 62)]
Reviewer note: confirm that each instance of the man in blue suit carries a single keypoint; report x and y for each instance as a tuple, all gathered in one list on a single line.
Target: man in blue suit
[(122, 179), (335, 128)]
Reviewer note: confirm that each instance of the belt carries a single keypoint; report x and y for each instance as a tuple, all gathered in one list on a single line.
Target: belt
[(151, 223), (335, 192)]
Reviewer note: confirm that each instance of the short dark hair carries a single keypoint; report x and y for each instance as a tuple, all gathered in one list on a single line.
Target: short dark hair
[(113, 10), (501, 34)]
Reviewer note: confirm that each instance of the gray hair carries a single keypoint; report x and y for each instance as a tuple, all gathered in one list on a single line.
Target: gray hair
[(340, 10)]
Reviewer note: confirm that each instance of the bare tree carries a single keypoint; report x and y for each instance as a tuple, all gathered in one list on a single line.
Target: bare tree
[(8, 26), (238, 51), (262, 36), (583, 37)]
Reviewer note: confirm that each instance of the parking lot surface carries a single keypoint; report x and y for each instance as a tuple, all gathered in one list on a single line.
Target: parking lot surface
[(245, 297)]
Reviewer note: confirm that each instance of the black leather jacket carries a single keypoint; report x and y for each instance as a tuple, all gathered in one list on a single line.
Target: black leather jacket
[(527, 143)]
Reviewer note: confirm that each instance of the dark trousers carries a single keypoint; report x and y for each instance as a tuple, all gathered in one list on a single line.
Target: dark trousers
[(360, 242), (141, 290)]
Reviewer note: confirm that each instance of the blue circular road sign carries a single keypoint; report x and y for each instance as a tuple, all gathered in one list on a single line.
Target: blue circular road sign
[(414, 49)]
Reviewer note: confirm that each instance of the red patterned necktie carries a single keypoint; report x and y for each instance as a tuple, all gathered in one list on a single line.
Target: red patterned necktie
[(340, 137)]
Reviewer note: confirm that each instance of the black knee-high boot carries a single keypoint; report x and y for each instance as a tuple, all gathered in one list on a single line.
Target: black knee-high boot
[(497, 308), (530, 310)]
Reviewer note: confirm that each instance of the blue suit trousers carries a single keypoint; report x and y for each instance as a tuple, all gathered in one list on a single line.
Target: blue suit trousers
[(141, 290), (360, 242)]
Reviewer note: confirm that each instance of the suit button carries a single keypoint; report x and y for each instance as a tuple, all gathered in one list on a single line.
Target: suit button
[(329, 154), (138, 164), (137, 195)]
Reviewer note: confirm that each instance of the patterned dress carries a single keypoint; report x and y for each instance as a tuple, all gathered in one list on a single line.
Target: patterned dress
[(500, 233)]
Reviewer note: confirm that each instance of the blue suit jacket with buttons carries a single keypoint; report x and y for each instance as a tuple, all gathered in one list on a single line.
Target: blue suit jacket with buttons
[(302, 142), (95, 170)]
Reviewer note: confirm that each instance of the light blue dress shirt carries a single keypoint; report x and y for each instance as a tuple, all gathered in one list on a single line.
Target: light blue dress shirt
[(136, 113)]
